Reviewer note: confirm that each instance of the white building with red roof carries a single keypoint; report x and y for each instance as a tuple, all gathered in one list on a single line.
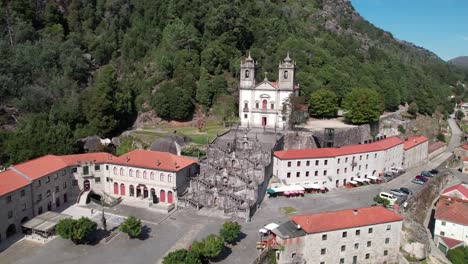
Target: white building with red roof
[(51, 183), (416, 151), (261, 104), (361, 235), (451, 220), (337, 166)]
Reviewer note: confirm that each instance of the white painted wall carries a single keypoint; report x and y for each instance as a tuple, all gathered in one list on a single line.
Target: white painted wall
[(450, 230)]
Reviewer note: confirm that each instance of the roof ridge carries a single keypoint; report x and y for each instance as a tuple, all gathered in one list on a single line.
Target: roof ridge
[(15, 170)]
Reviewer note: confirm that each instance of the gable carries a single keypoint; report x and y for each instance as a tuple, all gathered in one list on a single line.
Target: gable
[(266, 85)]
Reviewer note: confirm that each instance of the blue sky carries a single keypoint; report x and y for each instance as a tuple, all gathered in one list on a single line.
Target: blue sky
[(440, 26)]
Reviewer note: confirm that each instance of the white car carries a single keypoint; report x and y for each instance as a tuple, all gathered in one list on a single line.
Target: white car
[(397, 192)]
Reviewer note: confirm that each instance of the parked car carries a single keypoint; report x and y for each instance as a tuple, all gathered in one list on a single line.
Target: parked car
[(389, 197), (397, 192), (434, 171), (422, 178), (406, 190), (426, 174), (417, 181)]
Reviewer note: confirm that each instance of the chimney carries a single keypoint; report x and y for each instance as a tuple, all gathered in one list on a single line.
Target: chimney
[(355, 211)]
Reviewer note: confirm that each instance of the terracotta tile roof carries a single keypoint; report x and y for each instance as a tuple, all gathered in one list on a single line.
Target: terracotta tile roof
[(435, 146), (456, 212), (41, 166), (97, 157), (465, 146), (465, 159), (339, 151), (10, 181), (154, 159), (335, 220), (458, 191), (414, 141), (450, 242)]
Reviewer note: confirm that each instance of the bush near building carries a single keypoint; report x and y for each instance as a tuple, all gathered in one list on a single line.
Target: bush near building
[(182, 256), (230, 231), (209, 247), (75, 230), (131, 226), (458, 255)]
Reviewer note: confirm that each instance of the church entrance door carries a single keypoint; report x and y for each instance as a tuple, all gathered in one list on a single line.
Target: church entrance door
[(264, 121)]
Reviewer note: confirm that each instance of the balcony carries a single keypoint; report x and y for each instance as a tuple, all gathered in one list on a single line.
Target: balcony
[(264, 110)]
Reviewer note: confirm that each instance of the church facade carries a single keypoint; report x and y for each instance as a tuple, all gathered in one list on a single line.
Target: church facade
[(265, 104)]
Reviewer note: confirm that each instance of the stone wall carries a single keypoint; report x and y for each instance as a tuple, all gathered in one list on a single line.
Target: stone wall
[(345, 136)]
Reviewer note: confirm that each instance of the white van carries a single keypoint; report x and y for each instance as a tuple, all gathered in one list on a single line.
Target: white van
[(389, 197)]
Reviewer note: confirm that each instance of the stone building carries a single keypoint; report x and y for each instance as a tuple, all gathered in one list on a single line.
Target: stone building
[(416, 151), (461, 152), (235, 173), (264, 104), (363, 235)]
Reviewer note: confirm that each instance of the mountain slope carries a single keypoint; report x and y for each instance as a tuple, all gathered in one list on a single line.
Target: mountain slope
[(460, 61), (86, 67)]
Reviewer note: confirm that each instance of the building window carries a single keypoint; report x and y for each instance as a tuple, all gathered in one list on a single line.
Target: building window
[(356, 245), (138, 173), (152, 176), (389, 227), (75, 170), (39, 210), (245, 115), (345, 170), (256, 105), (443, 223), (358, 232), (366, 166), (359, 167), (122, 172), (324, 237), (442, 233), (369, 243), (285, 74), (48, 193), (8, 199), (130, 173), (307, 174), (64, 185), (97, 180), (339, 161), (341, 260), (23, 193), (169, 178), (345, 234), (367, 156), (298, 163), (298, 174), (107, 167), (47, 179), (375, 156), (145, 175), (360, 157), (346, 159), (387, 240), (97, 167), (343, 248), (85, 170), (10, 214), (316, 163), (337, 171), (56, 176), (308, 163), (367, 256), (370, 230), (161, 177), (326, 162), (39, 197), (289, 164), (316, 173), (272, 106), (115, 170), (323, 251), (74, 182), (354, 259), (325, 173), (385, 253), (288, 175), (57, 189)]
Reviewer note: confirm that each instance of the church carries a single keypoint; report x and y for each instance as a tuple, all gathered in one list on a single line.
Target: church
[(264, 104)]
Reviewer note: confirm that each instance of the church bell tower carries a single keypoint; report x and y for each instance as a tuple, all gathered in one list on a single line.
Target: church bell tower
[(286, 71), (247, 73)]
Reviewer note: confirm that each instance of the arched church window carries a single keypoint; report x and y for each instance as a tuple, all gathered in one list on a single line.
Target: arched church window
[(264, 104), (285, 74), (247, 73), (256, 105), (272, 106), (246, 105)]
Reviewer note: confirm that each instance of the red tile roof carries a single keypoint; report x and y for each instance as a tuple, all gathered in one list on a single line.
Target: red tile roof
[(338, 151), (450, 242), (154, 159), (97, 157), (414, 141), (456, 212), (435, 146), (41, 166), (465, 146), (458, 191), (329, 221), (10, 181)]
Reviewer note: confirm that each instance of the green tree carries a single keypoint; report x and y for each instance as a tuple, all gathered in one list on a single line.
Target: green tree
[(172, 103), (440, 137), (413, 108), (182, 256), (458, 255), (131, 226), (459, 114), (209, 247), (230, 231), (323, 103), (75, 230), (381, 200), (205, 91), (362, 105)]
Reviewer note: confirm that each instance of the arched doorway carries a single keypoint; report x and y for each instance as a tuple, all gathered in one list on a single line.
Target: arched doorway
[(145, 192), (24, 220), (49, 206), (162, 196), (86, 185), (132, 191), (153, 195), (122, 189), (11, 230), (116, 188), (169, 197)]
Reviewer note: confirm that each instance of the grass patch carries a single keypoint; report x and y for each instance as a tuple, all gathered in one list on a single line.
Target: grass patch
[(288, 210)]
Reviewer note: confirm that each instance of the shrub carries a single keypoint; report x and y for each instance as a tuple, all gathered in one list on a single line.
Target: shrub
[(131, 226), (182, 256), (75, 230), (230, 231)]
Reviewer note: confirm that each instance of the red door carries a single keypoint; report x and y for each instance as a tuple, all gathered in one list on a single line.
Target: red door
[(116, 188), (162, 196), (264, 121), (169, 197), (122, 189)]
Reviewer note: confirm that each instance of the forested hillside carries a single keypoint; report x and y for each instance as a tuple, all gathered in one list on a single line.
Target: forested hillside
[(72, 68), (460, 61)]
